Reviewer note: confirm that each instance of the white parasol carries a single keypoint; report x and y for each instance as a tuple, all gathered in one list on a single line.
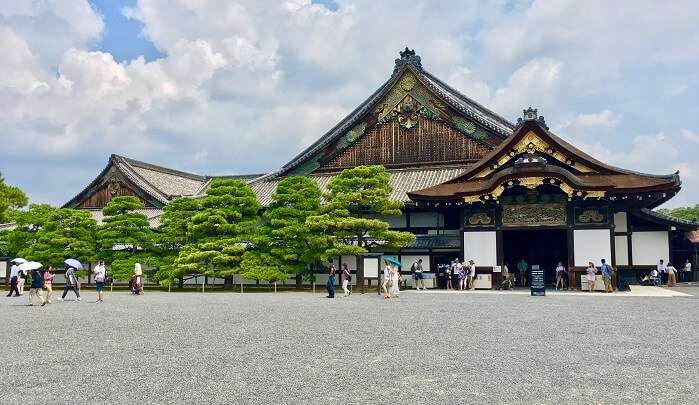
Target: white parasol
[(27, 266)]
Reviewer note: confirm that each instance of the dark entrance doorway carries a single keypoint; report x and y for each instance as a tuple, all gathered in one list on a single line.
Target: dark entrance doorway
[(543, 247)]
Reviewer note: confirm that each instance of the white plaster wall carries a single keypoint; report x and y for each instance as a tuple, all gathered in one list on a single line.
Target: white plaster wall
[(350, 261), (480, 247), (591, 245), (647, 248), (621, 250), (620, 222), (407, 260)]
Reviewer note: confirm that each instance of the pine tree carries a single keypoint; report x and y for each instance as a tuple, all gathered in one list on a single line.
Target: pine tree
[(125, 238), (221, 231), (350, 220), (11, 198), (64, 233), (173, 235), (284, 244), (26, 227)]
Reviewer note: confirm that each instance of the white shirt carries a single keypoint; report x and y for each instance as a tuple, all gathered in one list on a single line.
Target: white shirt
[(14, 271), (99, 272), (386, 273), (472, 270), (688, 266), (662, 268), (505, 270), (591, 272), (560, 269), (418, 267)]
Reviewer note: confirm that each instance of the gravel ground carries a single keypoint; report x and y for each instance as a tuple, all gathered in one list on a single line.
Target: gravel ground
[(300, 348)]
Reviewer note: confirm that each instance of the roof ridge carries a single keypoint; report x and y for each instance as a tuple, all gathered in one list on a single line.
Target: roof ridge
[(158, 168), (129, 171)]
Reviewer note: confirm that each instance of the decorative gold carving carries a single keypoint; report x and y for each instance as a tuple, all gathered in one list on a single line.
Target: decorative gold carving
[(532, 143), (531, 182), (595, 194), (479, 218), (590, 216), (534, 214), (407, 82), (407, 85)]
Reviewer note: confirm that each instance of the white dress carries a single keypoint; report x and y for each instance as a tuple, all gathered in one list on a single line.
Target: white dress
[(394, 282)]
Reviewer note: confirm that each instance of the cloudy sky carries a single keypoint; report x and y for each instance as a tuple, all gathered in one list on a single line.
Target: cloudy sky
[(235, 87)]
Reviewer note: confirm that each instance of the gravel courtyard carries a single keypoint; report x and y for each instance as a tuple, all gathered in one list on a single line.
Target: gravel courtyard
[(302, 348)]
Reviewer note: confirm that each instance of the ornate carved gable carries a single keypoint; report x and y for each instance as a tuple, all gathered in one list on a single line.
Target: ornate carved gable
[(113, 184), (409, 126)]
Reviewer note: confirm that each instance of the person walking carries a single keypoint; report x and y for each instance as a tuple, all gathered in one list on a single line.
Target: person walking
[(14, 275), (21, 279), (461, 272), (136, 282), (330, 284), (100, 273), (662, 272), (560, 271), (471, 275), (345, 277), (450, 273), (395, 281), (671, 275), (419, 276), (687, 273), (607, 272), (386, 280), (591, 274), (71, 284), (48, 283), (36, 287), (522, 266)]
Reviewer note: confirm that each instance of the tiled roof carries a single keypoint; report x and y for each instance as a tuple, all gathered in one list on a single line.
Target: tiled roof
[(402, 182), (153, 215), (435, 242)]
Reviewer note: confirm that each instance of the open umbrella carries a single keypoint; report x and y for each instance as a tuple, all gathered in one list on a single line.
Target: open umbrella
[(27, 266), (18, 260), (392, 260), (74, 264)]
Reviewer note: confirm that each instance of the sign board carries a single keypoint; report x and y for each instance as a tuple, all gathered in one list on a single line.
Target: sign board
[(537, 281), (497, 269), (535, 267), (371, 267)]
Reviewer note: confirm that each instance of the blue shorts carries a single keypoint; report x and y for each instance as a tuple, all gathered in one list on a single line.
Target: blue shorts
[(419, 276), (99, 285)]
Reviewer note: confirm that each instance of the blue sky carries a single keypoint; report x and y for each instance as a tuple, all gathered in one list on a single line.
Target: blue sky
[(242, 86)]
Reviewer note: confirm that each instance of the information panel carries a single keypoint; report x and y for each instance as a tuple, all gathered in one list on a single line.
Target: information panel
[(537, 281)]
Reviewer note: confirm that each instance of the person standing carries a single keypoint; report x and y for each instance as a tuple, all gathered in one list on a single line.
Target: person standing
[(48, 283), (662, 272), (137, 280), (522, 266), (330, 284), (671, 275), (591, 275), (687, 273), (607, 276), (560, 271), (71, 284), (14, 275), (471, 275), (36, 287), (345, 277), (100, 273), (386, 280), (461, 272), (419, 276)]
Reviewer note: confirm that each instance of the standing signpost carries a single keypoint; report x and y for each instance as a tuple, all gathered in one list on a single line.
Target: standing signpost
[(537, 281)]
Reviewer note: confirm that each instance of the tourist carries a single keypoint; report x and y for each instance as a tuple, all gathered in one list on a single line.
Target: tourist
[(471, 274), (662, 272), (346, 278), (48, 283), (461, 273), (607, 276), (419, 277), (100, 273), (386, 280), (671, 275), (72, 283), (14, 275), (522, 266), (505, 271), (36, 287), (687, 273), (395, 281), (136, 282), (330, 284), (591, 275), (449, 271), (21, 279), (560, 276)]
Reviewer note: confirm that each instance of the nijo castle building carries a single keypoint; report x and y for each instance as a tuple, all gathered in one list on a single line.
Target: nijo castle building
[(475, 186)]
